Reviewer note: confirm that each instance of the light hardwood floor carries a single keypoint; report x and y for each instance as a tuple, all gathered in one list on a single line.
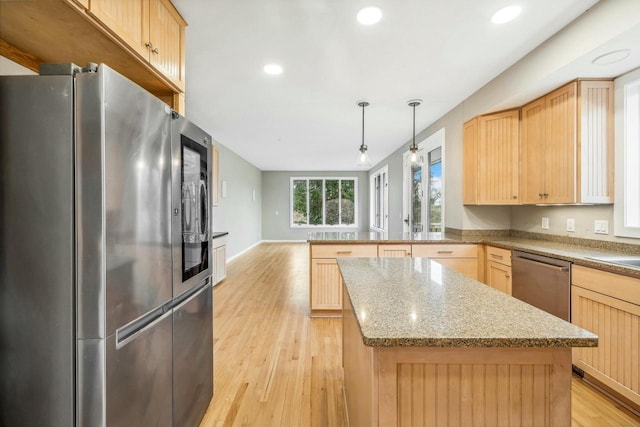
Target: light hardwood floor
[(275, 366)]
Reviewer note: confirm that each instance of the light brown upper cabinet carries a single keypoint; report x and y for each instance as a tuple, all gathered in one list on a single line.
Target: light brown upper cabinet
[(470, 162), (567, 145), (490, 159), (152, 28)]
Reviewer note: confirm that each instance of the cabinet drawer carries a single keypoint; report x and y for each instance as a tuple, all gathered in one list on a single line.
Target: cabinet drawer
[(614, 285), (499, 255), (394, 251), (445, 251), (343, 251)]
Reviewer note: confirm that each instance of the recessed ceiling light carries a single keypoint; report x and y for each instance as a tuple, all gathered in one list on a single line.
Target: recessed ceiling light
[(273, 69), (506, 14), (369, 15), (612, 57)]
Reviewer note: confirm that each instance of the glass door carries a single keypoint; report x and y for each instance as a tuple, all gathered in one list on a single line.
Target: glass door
[(413, 209), (423, 188)]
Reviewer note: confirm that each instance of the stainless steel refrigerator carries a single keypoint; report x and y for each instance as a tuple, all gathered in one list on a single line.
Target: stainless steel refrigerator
[(99, 324)]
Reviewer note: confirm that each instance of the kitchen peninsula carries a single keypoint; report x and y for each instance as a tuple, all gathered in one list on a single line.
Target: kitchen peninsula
[(425, 345)]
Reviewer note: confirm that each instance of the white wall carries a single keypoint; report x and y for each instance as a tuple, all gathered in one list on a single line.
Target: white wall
[(238, 212), (10, 68)]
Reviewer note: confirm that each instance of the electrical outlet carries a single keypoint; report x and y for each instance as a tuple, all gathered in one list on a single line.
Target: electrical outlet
[(545, 223), (571, 224), (601, 227)]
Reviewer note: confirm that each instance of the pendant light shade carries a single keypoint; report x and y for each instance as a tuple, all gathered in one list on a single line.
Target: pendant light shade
[(414, 157), (363, 156)]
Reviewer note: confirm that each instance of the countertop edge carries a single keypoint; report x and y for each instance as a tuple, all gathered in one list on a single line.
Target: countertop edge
[(480, 342)]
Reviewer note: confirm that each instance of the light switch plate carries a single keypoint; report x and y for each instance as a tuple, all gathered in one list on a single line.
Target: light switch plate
[(545, 223), (571, 224), (601, 227)]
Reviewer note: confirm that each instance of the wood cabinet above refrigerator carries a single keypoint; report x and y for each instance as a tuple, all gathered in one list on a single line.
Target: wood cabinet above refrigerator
[(142, 39)]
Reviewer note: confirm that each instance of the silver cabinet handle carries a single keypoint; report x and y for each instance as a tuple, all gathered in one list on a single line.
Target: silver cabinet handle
[(155, 50), (507, 276), (497, 256), (344, 252), (445, 252), (148, 45)]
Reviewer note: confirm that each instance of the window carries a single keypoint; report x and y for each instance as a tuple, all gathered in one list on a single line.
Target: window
[(627, 206), (379, 200), (324, 202)]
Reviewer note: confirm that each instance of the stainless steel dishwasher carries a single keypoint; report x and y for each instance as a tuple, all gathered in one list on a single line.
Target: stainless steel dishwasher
[(542, 282)]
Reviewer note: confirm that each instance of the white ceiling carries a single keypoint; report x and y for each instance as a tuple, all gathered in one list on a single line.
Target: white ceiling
[(441, 51)]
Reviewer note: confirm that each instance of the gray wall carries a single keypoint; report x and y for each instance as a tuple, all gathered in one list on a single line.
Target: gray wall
[(276, 198), (524, 81), (238, 213)]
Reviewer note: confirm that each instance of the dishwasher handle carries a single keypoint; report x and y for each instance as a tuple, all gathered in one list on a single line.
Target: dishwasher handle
[(542, 264)]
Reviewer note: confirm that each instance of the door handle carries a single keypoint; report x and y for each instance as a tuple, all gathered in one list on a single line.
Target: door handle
[(406, 220)]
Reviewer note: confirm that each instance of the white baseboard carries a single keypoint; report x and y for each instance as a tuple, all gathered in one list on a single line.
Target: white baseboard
[(245, 250), (263, 241)]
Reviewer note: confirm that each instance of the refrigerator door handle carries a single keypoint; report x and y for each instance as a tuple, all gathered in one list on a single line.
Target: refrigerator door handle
[(184, 300), (134, 329)]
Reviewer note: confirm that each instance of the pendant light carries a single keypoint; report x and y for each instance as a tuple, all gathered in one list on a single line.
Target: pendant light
[(414, 157), (363, 157)]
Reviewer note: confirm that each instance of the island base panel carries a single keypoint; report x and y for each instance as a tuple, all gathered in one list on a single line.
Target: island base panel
[(420, 386)]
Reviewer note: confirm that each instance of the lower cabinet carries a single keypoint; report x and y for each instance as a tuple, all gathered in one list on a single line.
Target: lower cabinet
[(325, 287), (608, 305), (326, 292), (219, 259), (498, 269), (462, 258)]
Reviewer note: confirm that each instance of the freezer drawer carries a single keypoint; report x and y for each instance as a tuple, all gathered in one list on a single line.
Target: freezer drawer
[(193, 357), (127, 383)]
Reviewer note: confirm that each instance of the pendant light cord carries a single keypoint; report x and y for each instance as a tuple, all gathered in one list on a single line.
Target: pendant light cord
[(362, 145), (414, 126)]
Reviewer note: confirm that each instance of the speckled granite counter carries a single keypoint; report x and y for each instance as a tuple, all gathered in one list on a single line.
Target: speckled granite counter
[(415, 302), (577, 254), (334, 237)]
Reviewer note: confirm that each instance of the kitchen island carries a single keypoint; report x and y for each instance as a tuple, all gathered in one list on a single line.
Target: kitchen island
[(425, 345)]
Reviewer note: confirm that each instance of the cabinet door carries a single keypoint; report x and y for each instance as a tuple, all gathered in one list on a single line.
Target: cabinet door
[(560, 145), (466, 266), (532, 152), (326, 291), (470, 163), (127, 19), (596, 142), (499, 276), (220, 260), (394, 251), (615, 362), (166, 32), (498, 171)]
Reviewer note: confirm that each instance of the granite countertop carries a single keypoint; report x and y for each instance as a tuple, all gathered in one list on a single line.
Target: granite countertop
[(416, 302), (333, 237), (577, 254)]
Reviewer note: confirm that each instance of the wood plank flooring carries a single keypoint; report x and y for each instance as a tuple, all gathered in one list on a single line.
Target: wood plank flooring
[(275, 366)]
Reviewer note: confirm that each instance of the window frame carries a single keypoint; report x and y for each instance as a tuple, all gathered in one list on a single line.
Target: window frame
[(620, 229), (383, 172), (324, 210)]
